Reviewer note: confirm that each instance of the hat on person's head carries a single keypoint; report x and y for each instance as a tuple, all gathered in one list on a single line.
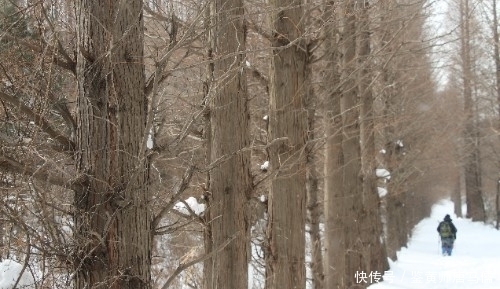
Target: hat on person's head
[(447, 218)]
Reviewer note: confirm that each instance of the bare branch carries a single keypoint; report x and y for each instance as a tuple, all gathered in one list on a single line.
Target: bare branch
[(263, 80), (15, 166), (26, 260), (184, 266), (155, 14), (40, 121), (69, 64), (61, 50), (186, 179), (258, 29)]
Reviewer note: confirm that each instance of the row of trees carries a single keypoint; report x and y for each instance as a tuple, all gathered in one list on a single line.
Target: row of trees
[(114, 112)]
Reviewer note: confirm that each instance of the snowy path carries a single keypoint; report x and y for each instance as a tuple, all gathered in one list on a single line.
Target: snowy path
[(475, 262)]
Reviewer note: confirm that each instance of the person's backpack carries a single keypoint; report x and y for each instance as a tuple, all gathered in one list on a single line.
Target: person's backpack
[(445, 230)]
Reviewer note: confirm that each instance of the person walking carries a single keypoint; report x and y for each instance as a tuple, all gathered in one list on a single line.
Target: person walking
[(448, 233)]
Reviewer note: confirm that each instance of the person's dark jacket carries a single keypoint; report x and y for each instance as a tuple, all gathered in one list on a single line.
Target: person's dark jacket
[(452, 226)]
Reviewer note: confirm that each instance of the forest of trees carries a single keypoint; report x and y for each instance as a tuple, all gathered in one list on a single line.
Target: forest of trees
[(221, 144)]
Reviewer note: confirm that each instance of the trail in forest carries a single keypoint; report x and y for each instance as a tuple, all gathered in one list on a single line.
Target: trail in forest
[(474, 263)]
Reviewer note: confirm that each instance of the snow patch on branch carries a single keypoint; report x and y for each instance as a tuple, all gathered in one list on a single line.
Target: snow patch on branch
[(264, 166), (382, 192), (197, 208), (383, 173)]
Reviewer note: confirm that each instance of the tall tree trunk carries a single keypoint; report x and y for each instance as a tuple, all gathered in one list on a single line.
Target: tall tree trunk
[(285, 258), (112, 219), (376, 258), (313, 201), (473, 190), (496, 55), (229, 179), (497, 205), (208, 81), (335, 245), (351, 170), (456, 196), (394, 202)]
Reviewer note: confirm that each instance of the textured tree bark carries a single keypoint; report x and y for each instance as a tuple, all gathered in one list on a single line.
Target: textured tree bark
[(352, 185), (396, 223), (456, 196), (473, 189), (313, 201), (335, 245), (496, 55), (285, 258), (496, 41), (394, 203), (112, 220), (375, 254), (230, 181)]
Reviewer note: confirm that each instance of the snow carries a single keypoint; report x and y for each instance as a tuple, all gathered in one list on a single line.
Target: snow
[(383, 173), (149, 142), (197, 208), (9, 272), (7, 82), (256, 266), (473, 265), (382, 192), (264, 166)]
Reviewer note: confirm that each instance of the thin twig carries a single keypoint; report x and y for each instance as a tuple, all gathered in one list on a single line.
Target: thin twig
[(184, 266)]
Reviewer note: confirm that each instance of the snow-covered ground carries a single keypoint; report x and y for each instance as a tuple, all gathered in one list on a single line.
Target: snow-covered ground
[(9, 273), (474, 264)]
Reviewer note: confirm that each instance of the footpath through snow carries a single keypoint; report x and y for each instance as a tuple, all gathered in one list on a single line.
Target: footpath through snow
[(474, 264)]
